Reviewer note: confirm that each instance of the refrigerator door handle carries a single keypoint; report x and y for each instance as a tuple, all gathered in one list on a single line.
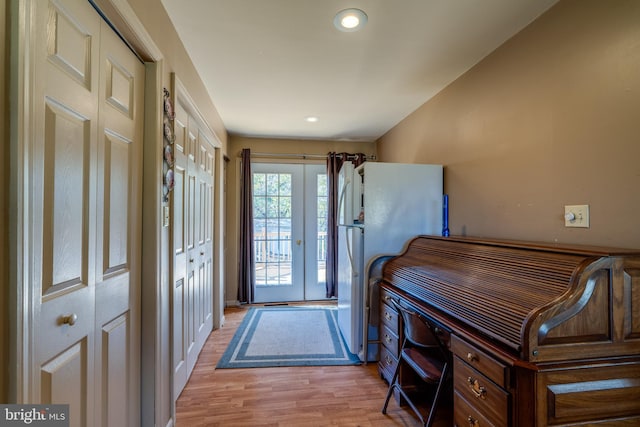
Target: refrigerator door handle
[(343, 193), (353, 267)]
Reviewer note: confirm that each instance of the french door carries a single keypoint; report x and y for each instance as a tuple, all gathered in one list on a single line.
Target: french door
[(290, 228)]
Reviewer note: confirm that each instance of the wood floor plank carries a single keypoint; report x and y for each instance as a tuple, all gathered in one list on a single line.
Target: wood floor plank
[(345, 396)]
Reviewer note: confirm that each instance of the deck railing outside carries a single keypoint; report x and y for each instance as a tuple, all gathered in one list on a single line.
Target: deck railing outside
[(272, 253)]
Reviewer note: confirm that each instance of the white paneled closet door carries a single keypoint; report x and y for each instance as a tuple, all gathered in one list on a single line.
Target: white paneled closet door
[(192, 198), (180, 296), (84, 216)]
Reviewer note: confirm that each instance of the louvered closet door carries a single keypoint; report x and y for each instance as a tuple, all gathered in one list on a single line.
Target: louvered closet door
[(84, 227)]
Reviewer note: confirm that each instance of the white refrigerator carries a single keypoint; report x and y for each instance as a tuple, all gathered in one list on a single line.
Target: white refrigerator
[(381, 207)]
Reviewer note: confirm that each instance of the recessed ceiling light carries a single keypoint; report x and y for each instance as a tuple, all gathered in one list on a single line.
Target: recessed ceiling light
[(350, 20), (311, 119)]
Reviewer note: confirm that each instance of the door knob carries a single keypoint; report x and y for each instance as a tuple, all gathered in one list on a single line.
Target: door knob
[(70, 319), (298, 242)]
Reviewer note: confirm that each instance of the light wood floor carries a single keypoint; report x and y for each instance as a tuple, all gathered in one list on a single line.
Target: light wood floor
[(295, 396)]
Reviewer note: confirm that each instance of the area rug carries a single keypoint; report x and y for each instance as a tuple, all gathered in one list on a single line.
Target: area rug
[(287, 336)]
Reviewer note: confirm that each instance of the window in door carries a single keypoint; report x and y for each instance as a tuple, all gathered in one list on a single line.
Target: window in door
[(316, 232)]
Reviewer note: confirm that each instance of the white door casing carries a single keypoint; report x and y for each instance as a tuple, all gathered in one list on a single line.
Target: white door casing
[(83, 233)]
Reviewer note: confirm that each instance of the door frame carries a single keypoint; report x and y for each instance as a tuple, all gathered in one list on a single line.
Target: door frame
[(20, 311)]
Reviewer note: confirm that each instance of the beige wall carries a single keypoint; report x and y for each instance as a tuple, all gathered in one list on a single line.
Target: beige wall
[(279, 146), (551, 118), (175, 59)]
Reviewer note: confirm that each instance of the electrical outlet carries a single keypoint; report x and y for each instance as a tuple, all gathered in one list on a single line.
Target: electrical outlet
[(576, 216)]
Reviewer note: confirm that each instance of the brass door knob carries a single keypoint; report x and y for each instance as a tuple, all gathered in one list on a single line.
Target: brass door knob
[(70, 319)]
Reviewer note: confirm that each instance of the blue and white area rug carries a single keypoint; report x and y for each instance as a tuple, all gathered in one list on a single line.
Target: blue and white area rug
[(287, 336)]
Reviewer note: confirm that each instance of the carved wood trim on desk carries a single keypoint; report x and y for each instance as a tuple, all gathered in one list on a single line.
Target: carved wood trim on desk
[(551, 326)]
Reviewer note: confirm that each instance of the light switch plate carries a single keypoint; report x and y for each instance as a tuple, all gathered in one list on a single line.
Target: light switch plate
[(165, 216), (576, 216)]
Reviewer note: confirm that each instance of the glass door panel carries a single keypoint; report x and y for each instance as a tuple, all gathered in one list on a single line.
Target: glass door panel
[(278, 214), (315, 231)]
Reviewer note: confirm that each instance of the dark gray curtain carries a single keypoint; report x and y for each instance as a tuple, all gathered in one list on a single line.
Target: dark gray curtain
[(334, 163), (246, 261)]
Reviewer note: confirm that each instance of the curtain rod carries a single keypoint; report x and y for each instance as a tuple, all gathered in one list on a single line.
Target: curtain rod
[(299, 156)]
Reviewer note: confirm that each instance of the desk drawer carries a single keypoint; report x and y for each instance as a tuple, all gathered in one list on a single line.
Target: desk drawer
[(385, 296), (390, 340), (466, 415), (485, 396), (610, 391), (389, 317), (387, 364), (478, 359)]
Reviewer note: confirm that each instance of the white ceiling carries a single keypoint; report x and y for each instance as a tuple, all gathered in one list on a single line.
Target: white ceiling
[(268, 64)]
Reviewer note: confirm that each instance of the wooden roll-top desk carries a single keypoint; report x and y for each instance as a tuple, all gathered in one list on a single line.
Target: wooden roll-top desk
[(540, 335)]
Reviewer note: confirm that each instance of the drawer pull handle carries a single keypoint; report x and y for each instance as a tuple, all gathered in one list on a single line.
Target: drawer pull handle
[(389, 361), (471, 357), (387, 316), (477, 390), (386, 297), (473, 422), (387, 338)]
